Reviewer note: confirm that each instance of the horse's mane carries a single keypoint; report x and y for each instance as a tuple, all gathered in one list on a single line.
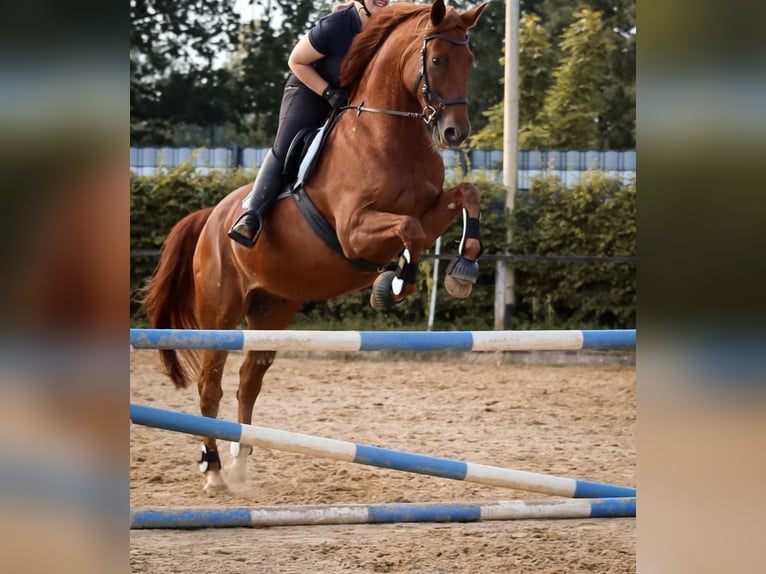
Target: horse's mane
[(374, 33)]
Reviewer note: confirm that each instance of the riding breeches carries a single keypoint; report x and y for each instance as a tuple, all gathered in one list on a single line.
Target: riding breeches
[(301, 108)]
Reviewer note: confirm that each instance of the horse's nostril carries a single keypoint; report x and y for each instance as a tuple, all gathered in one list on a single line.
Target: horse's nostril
[(452, 135)]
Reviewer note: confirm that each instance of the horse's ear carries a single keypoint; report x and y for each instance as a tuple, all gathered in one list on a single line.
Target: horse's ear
[(437, 12), (470, 17)]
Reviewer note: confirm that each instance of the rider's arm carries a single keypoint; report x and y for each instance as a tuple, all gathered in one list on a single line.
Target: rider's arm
[(301, 58)]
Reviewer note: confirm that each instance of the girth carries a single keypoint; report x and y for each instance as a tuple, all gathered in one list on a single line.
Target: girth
[(325, 231)]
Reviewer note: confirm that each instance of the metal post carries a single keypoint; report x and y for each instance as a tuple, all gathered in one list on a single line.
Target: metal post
[(435, 288)]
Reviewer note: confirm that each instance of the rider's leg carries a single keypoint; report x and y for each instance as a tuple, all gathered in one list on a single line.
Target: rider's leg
[(267, 185), (300, 108)]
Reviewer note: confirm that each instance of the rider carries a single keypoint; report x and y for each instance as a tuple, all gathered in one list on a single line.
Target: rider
[(311, 91)]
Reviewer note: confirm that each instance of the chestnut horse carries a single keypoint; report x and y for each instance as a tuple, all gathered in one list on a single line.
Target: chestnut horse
[(378, 184)]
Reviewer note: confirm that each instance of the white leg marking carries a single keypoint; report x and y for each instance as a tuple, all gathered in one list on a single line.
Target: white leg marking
[(237, 469), (397, 284), (214, 482)]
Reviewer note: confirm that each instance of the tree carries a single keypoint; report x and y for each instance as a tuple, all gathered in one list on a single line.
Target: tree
[(575, 103), (542, 21), (197, 70), (536, 61), (178, 38), (260, 62), (485, 85), (617, 124), (198, 105)]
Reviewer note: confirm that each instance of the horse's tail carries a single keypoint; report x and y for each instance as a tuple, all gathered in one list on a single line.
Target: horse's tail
[(169, 294)]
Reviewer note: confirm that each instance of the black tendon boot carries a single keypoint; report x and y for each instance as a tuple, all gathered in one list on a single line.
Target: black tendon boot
[(267, 185)]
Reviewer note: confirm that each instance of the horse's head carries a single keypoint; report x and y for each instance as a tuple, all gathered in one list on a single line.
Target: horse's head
[(427, 49), (445, 64)]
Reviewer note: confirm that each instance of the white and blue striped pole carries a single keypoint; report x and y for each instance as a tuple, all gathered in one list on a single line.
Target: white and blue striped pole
[(260, 517), (373, 455), (255, 340)]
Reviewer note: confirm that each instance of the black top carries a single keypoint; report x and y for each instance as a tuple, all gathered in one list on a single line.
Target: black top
[(332, 36)]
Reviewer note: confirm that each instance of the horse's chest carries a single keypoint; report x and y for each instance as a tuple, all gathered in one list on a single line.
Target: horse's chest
[(413, 199)]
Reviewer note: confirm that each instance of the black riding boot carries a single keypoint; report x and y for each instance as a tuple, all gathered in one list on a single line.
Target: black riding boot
[(267, 185)]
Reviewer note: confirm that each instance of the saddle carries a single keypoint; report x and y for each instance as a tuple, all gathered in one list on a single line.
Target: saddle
[(302, 155), (304, 152)]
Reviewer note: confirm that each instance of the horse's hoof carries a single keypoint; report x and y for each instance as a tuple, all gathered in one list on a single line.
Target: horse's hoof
[(236, 472), (216, 489), (458, 288), (465, 269), (214, 483), (382, 296), (461, 276)]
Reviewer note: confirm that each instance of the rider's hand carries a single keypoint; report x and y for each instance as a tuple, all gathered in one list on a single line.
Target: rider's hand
[(337, 98)]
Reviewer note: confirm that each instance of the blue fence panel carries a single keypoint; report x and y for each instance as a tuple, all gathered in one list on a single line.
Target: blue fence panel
[(611, 161), (567, 165), (148, 161), (167, 157), (630, 160), (184, 155), (252, 158)]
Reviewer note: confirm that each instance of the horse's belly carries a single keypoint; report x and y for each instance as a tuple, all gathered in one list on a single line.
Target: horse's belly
[(304, 283), (303, 268)]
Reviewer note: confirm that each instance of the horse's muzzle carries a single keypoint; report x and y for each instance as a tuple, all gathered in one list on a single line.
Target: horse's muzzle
[(452, 135)]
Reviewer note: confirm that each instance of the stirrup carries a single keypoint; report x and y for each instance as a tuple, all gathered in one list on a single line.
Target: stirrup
[(242, 224)]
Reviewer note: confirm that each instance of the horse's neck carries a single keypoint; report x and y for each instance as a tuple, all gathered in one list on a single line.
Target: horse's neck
[(384, 90), (387, 84), (384, 84)]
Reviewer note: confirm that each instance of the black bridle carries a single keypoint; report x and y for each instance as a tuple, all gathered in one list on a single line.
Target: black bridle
[(431, 111)]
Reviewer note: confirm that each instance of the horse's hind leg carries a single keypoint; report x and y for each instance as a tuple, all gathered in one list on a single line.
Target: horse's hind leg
[(264, 312), (210, 393), (220, 304)]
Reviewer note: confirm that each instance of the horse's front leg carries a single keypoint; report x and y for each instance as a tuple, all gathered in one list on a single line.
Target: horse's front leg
[(463, 270), (375, 236), (251, 374)]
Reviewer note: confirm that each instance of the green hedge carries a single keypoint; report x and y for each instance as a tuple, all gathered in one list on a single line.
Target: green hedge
[(594, 218), (158, 202)]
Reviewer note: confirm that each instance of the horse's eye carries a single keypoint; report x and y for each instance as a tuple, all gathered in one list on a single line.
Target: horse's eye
[(436, 61)]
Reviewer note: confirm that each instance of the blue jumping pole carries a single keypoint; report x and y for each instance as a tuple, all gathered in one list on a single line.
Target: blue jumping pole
[(373, 455), (253, 340), (259, 517)]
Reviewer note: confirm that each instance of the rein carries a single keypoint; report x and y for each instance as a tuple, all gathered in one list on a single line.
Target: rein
[(430, 112)]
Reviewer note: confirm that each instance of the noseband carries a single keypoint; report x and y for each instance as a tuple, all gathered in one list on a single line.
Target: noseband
[(431, 111)]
